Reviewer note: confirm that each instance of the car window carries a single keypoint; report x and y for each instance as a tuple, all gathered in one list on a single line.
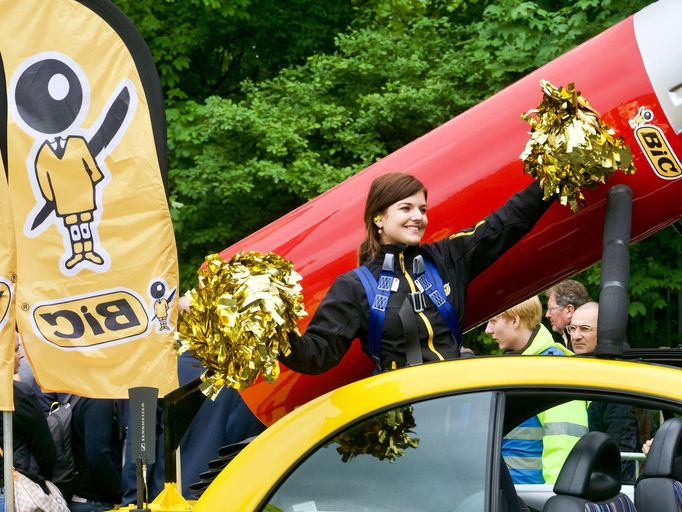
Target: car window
[(429, 455), (629, 423)]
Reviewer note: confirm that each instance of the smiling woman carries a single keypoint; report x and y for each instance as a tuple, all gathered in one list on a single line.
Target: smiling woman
[(404, 222), (405, 301), (395, 212)]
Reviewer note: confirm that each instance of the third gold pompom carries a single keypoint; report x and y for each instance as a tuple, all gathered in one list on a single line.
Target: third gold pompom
[(570, 146)]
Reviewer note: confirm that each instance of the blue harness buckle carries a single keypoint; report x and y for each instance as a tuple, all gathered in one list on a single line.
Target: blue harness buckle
[(422, 282), (417, 299)]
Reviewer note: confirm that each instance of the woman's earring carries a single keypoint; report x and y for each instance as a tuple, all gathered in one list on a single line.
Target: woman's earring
[(377, 219)]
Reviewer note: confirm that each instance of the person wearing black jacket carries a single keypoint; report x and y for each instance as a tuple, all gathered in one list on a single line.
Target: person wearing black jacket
[(96, 441), (34, 450), (395, 219), (617, 420)]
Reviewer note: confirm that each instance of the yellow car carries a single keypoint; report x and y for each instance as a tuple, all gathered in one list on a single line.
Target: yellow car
[(429, 438)]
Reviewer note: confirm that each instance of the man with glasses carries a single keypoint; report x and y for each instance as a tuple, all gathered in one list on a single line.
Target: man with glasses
[(583, 328), (617, 420), (562, 301)]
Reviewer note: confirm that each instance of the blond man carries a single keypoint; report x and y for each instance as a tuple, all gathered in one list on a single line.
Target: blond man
[(536, 450)]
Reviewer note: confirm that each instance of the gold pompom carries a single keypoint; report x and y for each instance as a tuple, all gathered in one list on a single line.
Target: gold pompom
[(240, 317), (570, 146), (385, 436)]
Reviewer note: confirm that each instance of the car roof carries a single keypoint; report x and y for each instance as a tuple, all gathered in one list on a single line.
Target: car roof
[(263, 462)]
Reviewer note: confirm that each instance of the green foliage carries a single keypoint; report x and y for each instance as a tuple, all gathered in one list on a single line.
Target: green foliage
[(399, 14), (515, 37), (246, 157), (207, 47), (480, 343)]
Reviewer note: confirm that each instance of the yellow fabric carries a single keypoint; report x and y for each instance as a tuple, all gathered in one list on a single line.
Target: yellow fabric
[(85, 271), (68, 180), (7, 270)]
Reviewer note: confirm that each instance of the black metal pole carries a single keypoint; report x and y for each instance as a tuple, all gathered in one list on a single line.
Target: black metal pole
[(141, 488), (615, 273)]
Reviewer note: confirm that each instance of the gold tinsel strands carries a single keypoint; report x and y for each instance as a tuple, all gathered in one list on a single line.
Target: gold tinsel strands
[(240, 317), (570, 146), (385, 436)]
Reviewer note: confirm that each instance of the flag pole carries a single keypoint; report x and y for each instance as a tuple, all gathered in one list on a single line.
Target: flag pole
[(8, 458)]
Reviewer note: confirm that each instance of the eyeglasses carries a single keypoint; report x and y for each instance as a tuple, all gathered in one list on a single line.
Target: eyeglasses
[(582, 328), (555, 307)]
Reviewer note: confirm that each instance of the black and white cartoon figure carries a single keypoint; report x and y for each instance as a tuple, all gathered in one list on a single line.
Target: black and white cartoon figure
[(161, 304), (49, 98)]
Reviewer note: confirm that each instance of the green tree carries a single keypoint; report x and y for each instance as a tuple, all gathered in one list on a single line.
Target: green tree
[(284, 140), (208, 47)]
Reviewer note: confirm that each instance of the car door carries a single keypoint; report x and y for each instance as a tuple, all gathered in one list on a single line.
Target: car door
[(434, 454)]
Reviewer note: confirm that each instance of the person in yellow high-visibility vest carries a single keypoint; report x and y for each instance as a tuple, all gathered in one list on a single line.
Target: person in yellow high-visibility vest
[(536, 450)]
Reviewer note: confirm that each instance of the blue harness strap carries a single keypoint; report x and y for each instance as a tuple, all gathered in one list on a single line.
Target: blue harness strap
[(378, 294), (438, 297), (377, 298)]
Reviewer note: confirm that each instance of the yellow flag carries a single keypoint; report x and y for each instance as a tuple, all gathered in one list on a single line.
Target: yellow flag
[(96, 293), (7, 278)]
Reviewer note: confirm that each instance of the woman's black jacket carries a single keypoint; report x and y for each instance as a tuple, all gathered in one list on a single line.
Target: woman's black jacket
[(343, 314), (34, 451)]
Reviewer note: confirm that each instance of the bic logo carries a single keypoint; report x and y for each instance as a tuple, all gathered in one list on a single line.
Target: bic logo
[(92, 321), (655, 145), (5, 300)]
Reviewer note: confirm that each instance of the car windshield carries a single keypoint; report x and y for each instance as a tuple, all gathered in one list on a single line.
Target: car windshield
[(429, 455)]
